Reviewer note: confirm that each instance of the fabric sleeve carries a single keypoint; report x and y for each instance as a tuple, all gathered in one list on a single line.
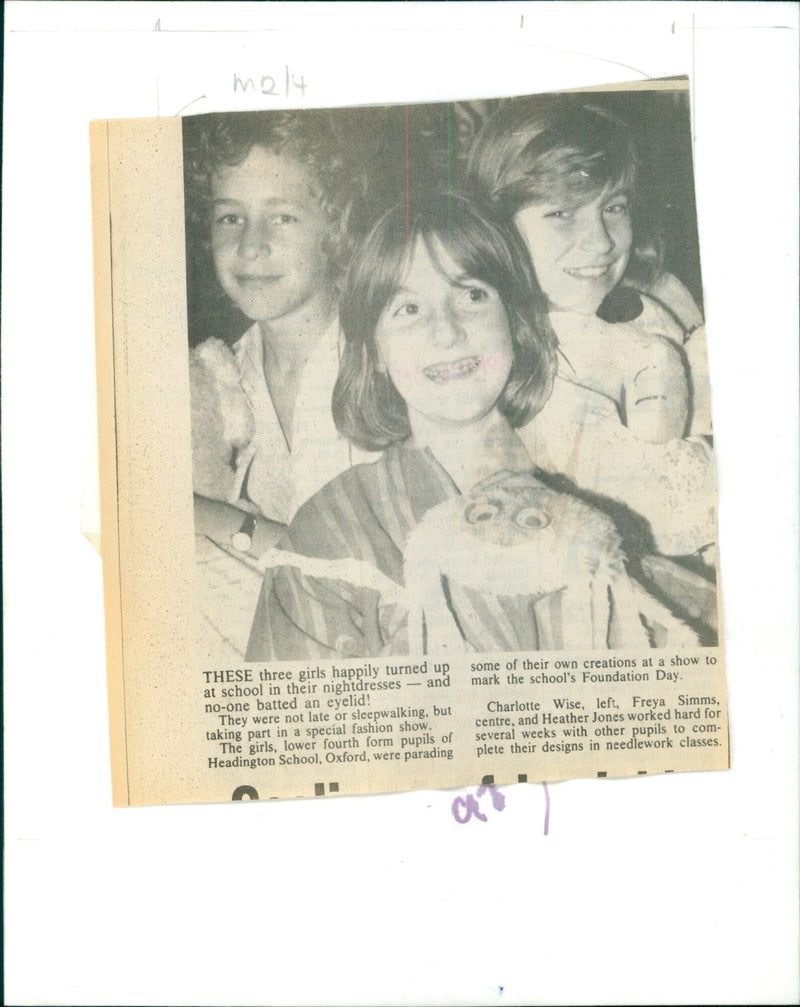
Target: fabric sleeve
[(657, 398), (298, 617), (320, 598), (674, 296)]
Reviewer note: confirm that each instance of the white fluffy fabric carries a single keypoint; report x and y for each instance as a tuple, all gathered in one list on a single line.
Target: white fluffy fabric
[(513, 536), (222, 422)]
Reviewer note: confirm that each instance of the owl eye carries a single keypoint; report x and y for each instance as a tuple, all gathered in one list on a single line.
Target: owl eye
[(531, 517), (483, 510)]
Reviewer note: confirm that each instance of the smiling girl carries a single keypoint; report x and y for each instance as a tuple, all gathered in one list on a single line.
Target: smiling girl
[(273, 193), (448, 542), (632, 382)]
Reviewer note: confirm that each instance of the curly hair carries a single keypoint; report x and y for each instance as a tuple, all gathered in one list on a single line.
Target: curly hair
[(367, 407), (212, 142)]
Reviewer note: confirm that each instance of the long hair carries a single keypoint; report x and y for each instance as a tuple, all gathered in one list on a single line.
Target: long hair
[(367, 407)]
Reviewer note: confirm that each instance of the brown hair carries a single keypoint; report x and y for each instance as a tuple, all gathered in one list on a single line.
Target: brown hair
[(309, 136), (367, 407), (559, 149)]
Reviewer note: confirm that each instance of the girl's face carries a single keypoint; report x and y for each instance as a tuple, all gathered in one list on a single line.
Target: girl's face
[(267, 234), (445, 341), (579, 255)]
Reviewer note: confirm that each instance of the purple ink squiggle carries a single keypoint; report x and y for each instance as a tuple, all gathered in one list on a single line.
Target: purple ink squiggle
[(471, 808), (465, 808), (498, 801), (546, 809)]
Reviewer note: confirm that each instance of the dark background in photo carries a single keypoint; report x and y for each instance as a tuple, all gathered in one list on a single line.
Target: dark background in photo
[(426, 145)]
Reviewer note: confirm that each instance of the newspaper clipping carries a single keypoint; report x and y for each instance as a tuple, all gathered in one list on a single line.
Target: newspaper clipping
[(407, 461)]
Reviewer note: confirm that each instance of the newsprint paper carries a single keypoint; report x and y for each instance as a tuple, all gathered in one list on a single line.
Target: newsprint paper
[(407, 462)]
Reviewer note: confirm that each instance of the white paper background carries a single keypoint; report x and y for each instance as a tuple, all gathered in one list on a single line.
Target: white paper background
[(665, 890)]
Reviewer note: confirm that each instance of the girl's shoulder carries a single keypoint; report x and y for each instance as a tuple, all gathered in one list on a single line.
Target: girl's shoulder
[(345, 512), (371, 504), (657, 321), (635, 312), (665, 303), (675, 298), (351, 485)]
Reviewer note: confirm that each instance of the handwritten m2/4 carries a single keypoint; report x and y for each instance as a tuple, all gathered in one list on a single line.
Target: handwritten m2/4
[(269, 85)]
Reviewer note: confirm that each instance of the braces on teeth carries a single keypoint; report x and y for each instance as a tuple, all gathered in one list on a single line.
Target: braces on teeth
[(442, 372)]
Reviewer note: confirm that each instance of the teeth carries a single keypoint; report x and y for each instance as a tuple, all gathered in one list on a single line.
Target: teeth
[(441, 373), (589, 272)]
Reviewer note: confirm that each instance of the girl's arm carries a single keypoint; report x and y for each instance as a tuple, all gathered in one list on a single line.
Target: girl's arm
[(220, 521), (323, 595), (656, 393)]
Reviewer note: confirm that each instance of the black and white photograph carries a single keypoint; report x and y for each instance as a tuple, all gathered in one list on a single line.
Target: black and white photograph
[(449, 382)]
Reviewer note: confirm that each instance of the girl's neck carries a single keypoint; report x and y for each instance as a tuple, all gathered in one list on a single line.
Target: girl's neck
[(472, 453), (290, 340)]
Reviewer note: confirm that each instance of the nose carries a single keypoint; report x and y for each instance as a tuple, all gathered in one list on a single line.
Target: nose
[(448, 328), (254, 240), (595, 236)]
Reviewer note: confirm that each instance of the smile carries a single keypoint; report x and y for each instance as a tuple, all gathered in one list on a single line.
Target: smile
[(257, 281), (588, 272), (453, 371)]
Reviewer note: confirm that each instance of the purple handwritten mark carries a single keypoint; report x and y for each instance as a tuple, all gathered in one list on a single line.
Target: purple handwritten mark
[(465, 808), (470, 806), (498, 801)]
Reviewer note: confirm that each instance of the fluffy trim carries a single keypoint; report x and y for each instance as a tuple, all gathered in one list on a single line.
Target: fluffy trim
[(513, 536), (222, 421)]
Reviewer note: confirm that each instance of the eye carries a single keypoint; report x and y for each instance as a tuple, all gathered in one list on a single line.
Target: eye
[(483, 510), (558, 215), (406, 310), (477, 295), (531, 517), (619, 208), (283, 219), (229, 219)]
